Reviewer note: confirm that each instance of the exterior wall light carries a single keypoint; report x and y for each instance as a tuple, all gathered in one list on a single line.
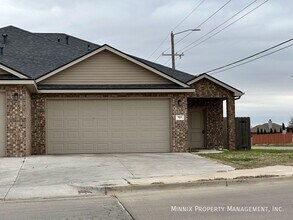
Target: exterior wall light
[(179, 102), (15, 96)]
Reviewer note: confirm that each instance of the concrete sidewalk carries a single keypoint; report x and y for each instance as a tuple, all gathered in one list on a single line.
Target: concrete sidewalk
[(83, 175), (273, 173)]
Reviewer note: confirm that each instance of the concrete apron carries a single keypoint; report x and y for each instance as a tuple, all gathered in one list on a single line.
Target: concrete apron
[(51, 176), (35, 183)]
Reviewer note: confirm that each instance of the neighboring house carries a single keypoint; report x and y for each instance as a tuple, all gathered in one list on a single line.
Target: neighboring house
[(60, 94), (266, 127)]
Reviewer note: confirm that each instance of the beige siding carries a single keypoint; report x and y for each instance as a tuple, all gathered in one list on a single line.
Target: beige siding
[(3, 72), (106, 68), (108, 126)]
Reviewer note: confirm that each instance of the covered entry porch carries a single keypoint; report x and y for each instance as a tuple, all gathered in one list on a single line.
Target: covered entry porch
[(206, 128)]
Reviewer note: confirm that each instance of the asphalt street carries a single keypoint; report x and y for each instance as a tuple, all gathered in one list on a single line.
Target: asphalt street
[(248, 201), (271, 200), (102, 207)]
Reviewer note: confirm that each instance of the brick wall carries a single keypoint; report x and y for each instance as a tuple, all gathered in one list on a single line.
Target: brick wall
[(18, 126), (204, 89), (26, 124)]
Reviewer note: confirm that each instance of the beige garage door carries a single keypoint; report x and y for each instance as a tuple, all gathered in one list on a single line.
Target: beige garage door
[(2, 124), (108, 126)]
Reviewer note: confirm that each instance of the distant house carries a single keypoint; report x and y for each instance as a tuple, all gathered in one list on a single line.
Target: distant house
[(266, 127)]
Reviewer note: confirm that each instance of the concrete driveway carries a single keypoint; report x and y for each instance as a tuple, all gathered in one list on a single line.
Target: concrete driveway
[(54, 176)]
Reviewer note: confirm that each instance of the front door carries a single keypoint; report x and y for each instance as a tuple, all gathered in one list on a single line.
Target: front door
[(196, 128)]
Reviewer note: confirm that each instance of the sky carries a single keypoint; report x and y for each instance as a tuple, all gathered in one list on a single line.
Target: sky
[(139, 27)]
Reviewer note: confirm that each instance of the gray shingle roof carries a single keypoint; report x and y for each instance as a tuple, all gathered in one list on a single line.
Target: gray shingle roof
[(179, 75), (33, 55), (36, 54)]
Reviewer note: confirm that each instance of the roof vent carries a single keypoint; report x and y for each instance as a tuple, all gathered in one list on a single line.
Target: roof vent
[(1, 50), (4, 38), (58, 39), (67, 39), (88, 47)]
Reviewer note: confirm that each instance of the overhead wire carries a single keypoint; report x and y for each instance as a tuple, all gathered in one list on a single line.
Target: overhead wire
[(248, 58), (218, 10), (186, 49), (193, 10), (251, 56), (234, 15), (207, 19), (290, 45)]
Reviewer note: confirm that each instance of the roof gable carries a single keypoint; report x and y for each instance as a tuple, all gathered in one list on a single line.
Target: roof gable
[(118, 53), (216, 81), (105, 68)]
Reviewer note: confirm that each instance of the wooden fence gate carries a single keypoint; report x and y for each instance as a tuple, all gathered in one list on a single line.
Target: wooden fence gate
[(243, 138)]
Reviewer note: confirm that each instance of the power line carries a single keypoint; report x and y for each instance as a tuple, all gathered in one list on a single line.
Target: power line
[(218, 25), (221, 29), (212, 15), (193, 10), (163, 41), (290, 45), (251, 56)]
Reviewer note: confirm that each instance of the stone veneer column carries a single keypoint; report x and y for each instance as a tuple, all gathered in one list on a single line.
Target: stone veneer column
[(38, 124), (231, 134), (18, 132), (179, 128)]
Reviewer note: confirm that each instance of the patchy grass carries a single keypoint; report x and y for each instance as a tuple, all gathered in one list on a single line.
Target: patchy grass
[(246, 159)]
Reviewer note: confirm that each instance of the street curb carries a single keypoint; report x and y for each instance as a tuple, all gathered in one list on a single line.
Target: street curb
[(93, 191), (114, 190)]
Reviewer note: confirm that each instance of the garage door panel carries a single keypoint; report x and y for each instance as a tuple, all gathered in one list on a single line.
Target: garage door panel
[(71, 123), (56, 134), (55, 123), (88, 123), (108, 126)]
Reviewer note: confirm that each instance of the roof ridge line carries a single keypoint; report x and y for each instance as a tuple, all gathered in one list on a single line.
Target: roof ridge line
[(66, 45)]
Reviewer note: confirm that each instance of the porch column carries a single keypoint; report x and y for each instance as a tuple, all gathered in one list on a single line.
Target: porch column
[(18, 128), (231, 133), (179, 125)]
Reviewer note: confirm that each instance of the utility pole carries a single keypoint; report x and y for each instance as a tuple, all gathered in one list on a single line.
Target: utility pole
[(173, 54), (173, 50)]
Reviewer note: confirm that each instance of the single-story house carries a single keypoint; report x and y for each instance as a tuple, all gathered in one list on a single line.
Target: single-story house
[(60, 94), (268, 127)]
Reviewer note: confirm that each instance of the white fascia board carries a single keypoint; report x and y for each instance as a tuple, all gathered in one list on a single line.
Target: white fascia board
[(117, 53), (13, 72), (31, 83), (120, 91), (236, 92), (16, 82)]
